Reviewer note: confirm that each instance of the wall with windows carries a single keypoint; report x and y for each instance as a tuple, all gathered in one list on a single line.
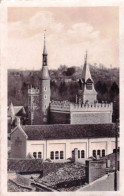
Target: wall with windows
[(36, 148)]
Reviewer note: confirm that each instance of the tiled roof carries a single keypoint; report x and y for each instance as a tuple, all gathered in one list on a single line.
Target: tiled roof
[(64, 131), (25, 165)]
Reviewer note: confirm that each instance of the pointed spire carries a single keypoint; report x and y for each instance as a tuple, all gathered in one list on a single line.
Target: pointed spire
[(44, 49), (86, 72), (11, 111)]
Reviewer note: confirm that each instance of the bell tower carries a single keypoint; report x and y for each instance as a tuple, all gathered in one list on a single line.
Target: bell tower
[(87, 92), (44, 88)]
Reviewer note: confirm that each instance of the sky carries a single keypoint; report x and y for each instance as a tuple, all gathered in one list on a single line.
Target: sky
[(70, 31)]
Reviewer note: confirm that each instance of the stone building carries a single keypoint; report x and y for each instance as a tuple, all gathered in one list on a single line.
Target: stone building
[(86, 109)]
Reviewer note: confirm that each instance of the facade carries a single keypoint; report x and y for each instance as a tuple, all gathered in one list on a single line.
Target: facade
[(86, 109), (57, 142)]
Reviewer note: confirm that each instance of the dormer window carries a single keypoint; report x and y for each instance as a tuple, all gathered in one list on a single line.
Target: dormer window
[(89, 84)]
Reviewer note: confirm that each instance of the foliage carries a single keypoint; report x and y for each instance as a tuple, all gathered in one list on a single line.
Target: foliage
[(64, 85)]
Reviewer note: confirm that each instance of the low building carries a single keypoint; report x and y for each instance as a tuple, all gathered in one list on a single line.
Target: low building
[(57, 142)]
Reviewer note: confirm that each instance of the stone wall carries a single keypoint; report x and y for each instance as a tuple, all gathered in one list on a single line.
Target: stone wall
[(59, 118), (91, 117), (95, 170)]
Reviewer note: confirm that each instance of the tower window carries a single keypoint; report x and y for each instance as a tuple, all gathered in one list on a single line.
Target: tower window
[(89, 84), (45, 96), (45, 89)]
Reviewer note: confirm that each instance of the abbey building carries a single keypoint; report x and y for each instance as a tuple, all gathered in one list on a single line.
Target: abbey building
[(86, 109), (56, 128)]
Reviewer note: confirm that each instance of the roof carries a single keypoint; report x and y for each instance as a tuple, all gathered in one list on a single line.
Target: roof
[(14, 110), (86, 72), (66, 131), (25, 165)]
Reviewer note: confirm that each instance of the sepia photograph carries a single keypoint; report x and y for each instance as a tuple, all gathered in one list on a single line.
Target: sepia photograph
[(63, 99)]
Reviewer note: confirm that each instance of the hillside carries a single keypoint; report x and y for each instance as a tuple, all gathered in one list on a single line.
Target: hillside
[(64, 84)]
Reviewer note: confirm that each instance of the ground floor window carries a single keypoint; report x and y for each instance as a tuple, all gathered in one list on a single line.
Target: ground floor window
[(103, 153), (35, 155), (82, 154), (78, 154), (52, 155), (94, 153), (98, 152), (57, 155), (39, 155), (61, 155)]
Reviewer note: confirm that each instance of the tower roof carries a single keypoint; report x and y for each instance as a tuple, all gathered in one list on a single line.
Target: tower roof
[(86, 72), (11, 111)]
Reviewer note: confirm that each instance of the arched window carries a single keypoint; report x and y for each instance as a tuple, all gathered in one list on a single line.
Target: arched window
[(61, 155), (94, 153), (103, 153), (35, 155), (89, 84), (39, 155), (56, 155), (82, 154), (98, 152), (45, 96), (78, 154), (52, 155)]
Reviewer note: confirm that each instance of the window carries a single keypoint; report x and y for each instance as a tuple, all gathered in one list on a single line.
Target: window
[(72, 153), (61, 155), (45, 96), (56, 155), (45, 106), (35, 155), (51, 155), (98, 152), (94, 153), (78, 154), (103, 153), (82, 154), (45, 89), (39, 155), (89, 84)]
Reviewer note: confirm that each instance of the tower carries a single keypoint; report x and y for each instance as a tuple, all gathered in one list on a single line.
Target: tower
[(44, 88), (87, 93)]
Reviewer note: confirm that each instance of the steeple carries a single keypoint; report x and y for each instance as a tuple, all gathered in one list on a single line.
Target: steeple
[(44, 49), (86, 72), (44, 52), (87, 93), (11, 111)]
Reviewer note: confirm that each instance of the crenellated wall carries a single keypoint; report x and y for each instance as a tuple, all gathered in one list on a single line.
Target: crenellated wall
[(69, 113)]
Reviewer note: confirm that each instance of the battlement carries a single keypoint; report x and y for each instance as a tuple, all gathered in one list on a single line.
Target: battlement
[(33, 91), (71, 107)]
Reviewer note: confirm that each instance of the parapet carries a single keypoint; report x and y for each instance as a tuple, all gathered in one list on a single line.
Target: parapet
[(71, 107), (33, 91)]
